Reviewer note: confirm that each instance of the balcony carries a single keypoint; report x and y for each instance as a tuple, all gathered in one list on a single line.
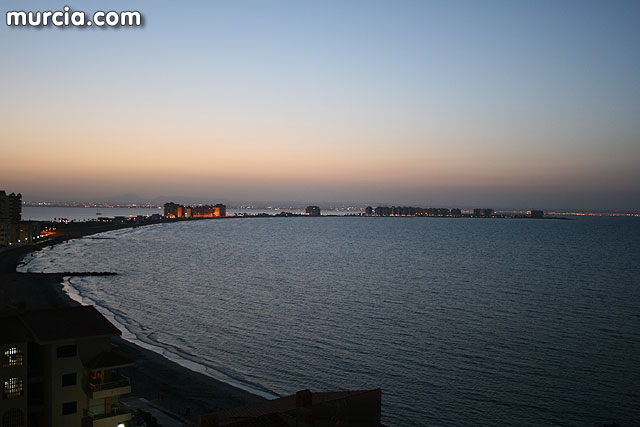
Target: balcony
[(35, 375), (118, 414), (112, 388), (35, 398)]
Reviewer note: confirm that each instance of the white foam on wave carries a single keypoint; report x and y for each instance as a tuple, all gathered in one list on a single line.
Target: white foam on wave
[(26, 264), (145, 342), (72, 292), (37, 262), (126, 326)]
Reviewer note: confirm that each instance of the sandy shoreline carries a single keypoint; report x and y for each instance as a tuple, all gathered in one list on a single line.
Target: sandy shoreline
[(154, 377)]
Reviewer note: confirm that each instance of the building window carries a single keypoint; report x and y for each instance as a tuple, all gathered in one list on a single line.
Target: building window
[(13, 388), (13, 418), (69, 408), (68, 379), (66, 351), (12, 357)]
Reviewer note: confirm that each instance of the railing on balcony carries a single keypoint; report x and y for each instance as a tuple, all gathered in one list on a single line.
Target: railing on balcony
[(115, 411), (120, 382)]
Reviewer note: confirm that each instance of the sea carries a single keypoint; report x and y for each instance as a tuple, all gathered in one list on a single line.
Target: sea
[(460, 321)]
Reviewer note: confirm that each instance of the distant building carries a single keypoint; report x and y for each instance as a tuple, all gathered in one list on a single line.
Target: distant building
[(120, 220), (4, 207), (59, 368), (485, 212), (208, 211), (313, 211), (319, 409), (222, 210), (537, 214), (173, 210), (368, 211), (383, 211), (24, 232), (10, 207), (5, 233), (12, 229)]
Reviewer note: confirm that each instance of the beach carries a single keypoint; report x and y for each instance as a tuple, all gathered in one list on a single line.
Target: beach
[(155, 378)]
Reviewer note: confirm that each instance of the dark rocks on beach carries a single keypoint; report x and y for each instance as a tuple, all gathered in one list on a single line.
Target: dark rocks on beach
[(88, 273)]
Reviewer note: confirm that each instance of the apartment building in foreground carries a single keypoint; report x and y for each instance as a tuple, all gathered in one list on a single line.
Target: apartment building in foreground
[(60, 369)]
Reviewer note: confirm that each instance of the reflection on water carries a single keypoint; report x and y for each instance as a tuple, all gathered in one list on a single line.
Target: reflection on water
[(460, 321)]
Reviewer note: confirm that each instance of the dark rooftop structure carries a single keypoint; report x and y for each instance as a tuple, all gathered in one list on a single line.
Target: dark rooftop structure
[(313, 210), (60, 367), (12, 330), (67, 323), (337, 408), (111, 359)]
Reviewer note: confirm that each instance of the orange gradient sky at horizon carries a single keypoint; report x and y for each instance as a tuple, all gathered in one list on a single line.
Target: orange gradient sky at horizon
[(368, 114)]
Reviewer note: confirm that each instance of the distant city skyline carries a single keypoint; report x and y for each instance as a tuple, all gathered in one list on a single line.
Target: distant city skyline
[(301, 205), (527, 105)]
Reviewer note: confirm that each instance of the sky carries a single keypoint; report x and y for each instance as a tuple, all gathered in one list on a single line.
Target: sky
[(528, 104)]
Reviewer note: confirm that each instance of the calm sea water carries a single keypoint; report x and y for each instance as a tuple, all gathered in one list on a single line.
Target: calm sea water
[(459, 321)]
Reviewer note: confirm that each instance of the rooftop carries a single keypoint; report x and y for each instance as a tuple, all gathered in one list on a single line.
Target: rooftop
[(354, 407), (12, 330), (67, 323), (109, 360)]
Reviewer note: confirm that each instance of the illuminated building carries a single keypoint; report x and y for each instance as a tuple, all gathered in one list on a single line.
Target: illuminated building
[(486, 212), (383, 211), (209, 211), (172, 210), (413, 211), (313, 211), (24, 232), (59, 368), (12, 229)]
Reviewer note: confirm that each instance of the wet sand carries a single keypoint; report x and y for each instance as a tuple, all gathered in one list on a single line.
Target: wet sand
[(154, 377)]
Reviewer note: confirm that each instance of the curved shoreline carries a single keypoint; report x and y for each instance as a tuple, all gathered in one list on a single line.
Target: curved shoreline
[(173, 356), (164, 380)]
